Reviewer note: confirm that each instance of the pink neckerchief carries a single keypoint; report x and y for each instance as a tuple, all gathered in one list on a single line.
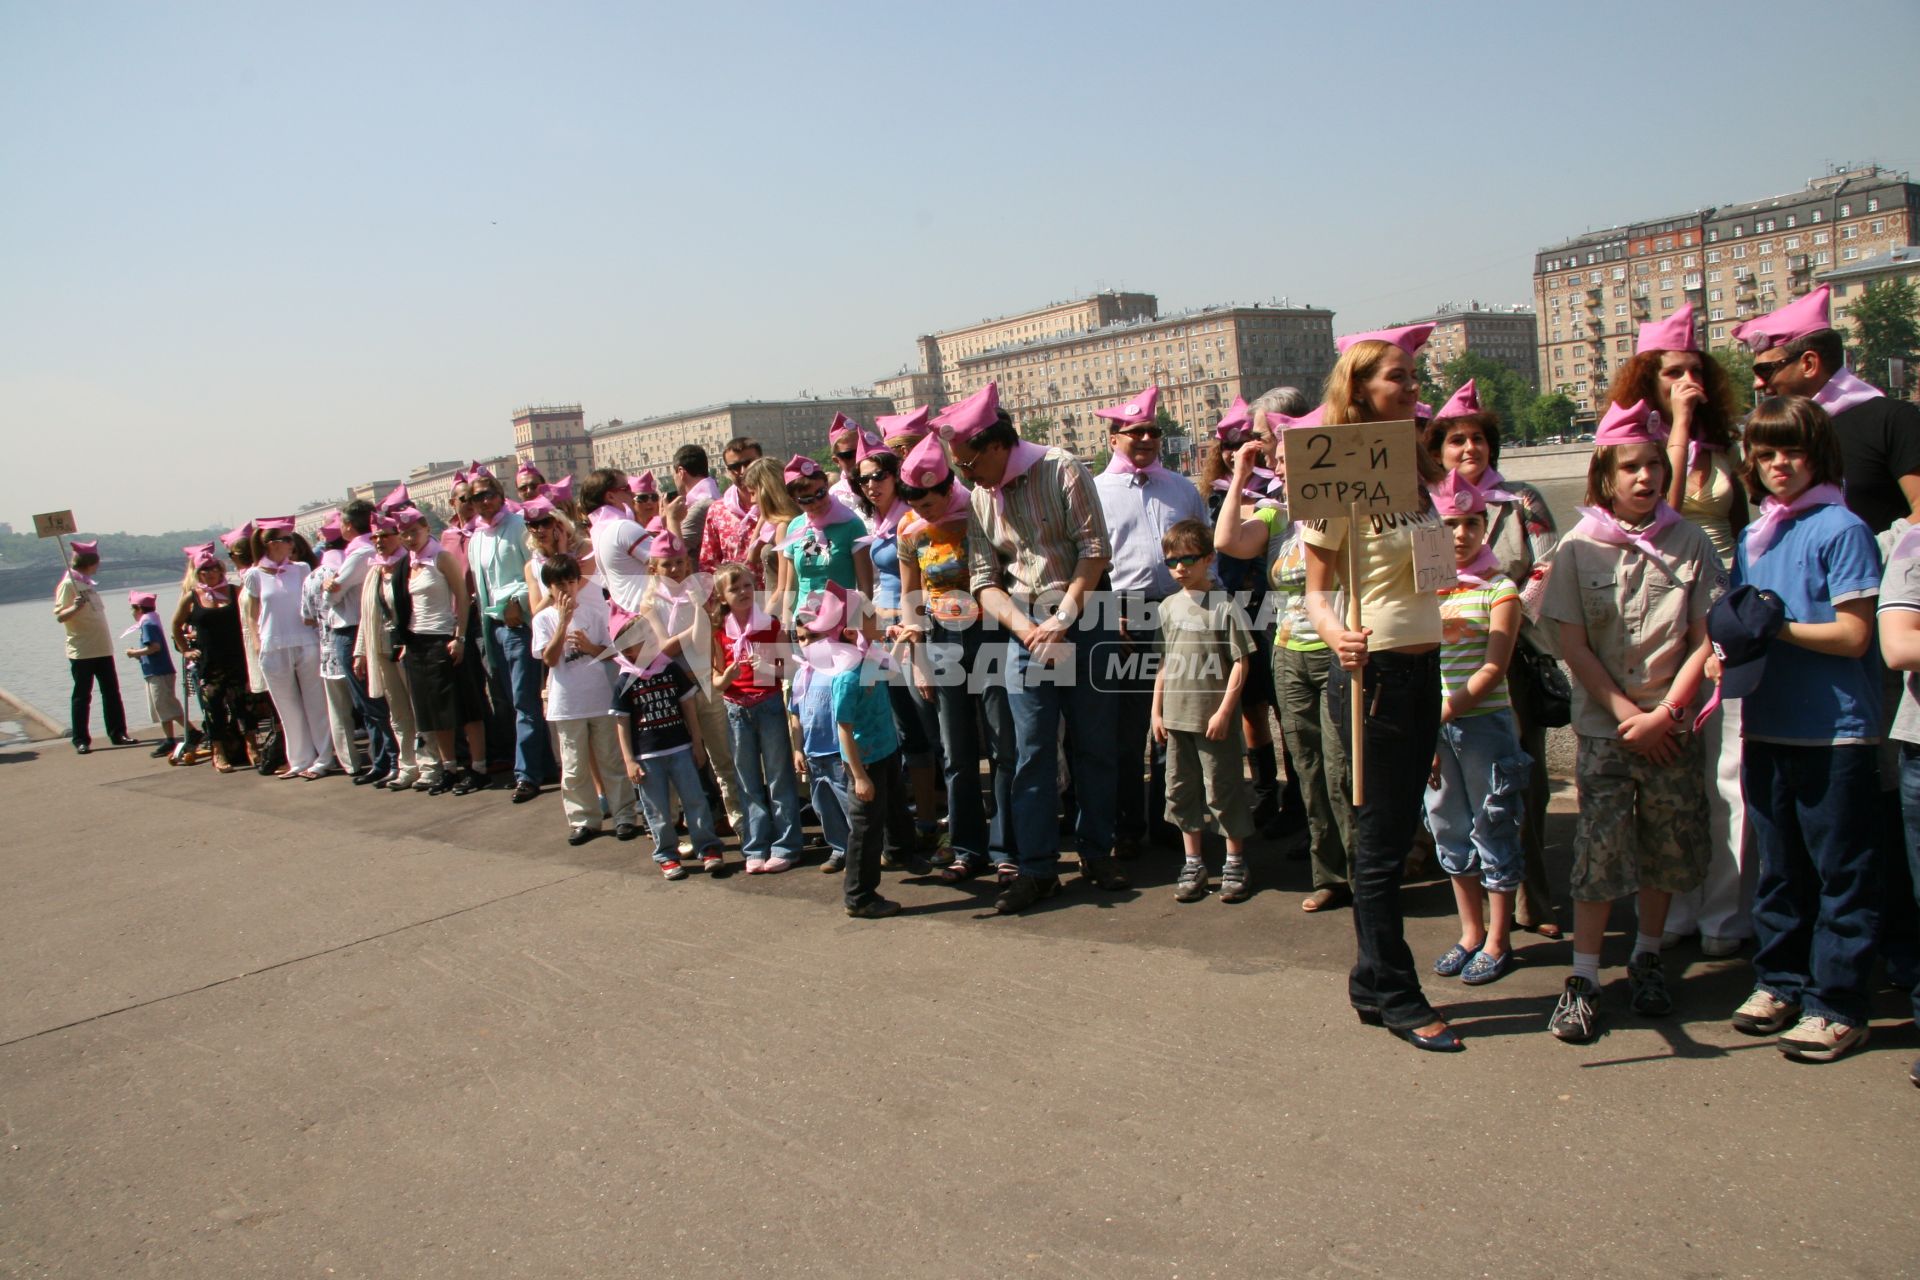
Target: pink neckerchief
[(1020, 460), (140, 622), (268, 565), (332, 558), (214, 597), (959, 507), (363, 540), (837, 512), (1263, 485), (1843, 391), (426, 555), (607, 513), (1489, 486), (736, 498), (1774, 514), (1121, 465), (1478, 571), (889, 526), (81, 578), (829, 657), (480, 522), (738, 633), (1602, 525), (706, 488), (399, 554)]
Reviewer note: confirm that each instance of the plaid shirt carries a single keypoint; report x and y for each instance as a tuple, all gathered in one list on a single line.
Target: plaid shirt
[(1030, 534)]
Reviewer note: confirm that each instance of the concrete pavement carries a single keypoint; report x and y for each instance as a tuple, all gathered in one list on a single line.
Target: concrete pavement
[(269, 1028)]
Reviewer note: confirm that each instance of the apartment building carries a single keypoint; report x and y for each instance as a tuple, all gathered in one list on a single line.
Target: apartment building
[(783, 428)]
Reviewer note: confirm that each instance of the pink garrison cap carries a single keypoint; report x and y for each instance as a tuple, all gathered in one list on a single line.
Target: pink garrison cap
[(1796, 320), (530, 471), (85, 548), (272, 523), (1461, 403), (926, 464), (1636, 424), (799, 467), (141, 600), (903, 426), (406, 517), (561, 492), (397, 499), (1236, 424), (1135, 411), (966, 419), (824, 613), (234, 537), (868, 445), (665, 541), (384, 523), (1408, 337), (1457, 496), (643, 483), (1675, 333), (1311, 418), (841, 425), (536, 508), (330, 527), (197, 550)]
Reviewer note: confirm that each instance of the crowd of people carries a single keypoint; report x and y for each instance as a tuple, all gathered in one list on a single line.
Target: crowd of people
[(966, 644)]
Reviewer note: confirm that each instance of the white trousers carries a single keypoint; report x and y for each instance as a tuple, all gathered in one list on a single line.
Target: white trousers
[(1722, 907), (340, 724), (293, 681)]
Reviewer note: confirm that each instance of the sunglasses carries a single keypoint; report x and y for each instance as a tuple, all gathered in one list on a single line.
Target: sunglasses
[(279, 537), (810, 498), (1765, 372), (481, 495), (871, 476), (646, 497), (848, 456), (1181, 562), (541, 524), (461, 499), (1141, 433), (737, 467)]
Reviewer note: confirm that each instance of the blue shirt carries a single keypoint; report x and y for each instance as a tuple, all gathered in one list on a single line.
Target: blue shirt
[(885, 553), (814, 709), (1822, 558), (154, 664), (861, 703), (1140, 507)]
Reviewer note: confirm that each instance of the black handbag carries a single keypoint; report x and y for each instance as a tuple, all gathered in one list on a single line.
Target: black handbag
[(1549, 693)]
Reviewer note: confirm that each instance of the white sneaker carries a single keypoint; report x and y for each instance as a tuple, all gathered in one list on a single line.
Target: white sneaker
[(1764, 1014), (1671, 939), (1818, 1039), (403, 780), (1720, 948)]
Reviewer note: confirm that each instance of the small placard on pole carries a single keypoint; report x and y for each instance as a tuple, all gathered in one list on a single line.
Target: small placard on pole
[(54, 524)]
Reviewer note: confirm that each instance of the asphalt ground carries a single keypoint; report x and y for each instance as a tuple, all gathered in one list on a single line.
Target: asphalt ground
[(260, 1028)]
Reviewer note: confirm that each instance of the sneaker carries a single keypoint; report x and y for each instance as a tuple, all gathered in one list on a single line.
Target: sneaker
[(1024, 892), (942, 854), (875, 909), (1720, 948), (1818, 1039), (438, 785), (755, 866), (403, 781), (164, 749), (713, 863), (625, 831), (1647, 980), (1235, 884), (1574, 1019), (580, 835), (672, 869), (835, 863), (774, 866), (1192, 884), (1764, 1014)]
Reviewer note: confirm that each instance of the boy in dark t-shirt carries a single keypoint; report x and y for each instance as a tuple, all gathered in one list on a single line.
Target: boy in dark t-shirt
[(664, 755)]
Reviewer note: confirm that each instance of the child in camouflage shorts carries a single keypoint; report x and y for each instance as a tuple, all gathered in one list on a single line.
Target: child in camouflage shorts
[(1631, 588)]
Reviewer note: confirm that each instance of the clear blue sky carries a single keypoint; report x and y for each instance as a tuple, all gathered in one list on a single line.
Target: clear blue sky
[(253, 253)]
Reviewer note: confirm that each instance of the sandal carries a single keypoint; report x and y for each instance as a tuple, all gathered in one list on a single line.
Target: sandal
[(961, 870)]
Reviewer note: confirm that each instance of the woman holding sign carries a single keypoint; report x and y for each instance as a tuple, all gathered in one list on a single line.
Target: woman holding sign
[(1395, 658)]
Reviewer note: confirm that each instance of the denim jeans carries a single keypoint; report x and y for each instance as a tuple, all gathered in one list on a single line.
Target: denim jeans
[(516, 673), (670, 777), (1139, 811), (958, 693), (1814, 814), (382, 751), (1901, 960), (769, 792), (85, 672), (1402, 692), (1038, 696), (827, 788), (872, 825), (1475, 812)]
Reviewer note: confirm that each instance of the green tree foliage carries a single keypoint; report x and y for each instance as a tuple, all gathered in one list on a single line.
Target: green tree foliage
[(1430, 392), (1498, 387), (1038, 430), (1550, 415), (1886, 326), (22, 550), (1737, 361)]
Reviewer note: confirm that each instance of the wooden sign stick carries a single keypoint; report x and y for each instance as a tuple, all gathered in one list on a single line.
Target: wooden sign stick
[(1357, 687)]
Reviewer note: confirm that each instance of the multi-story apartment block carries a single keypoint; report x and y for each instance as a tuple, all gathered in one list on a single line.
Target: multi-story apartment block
[(1897, 265), (783, 428), (554, 438), (1504, 335), (1731, 262)]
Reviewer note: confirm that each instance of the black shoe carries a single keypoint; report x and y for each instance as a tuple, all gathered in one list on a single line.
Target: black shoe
[(125, 742), (382, 782), (1441, 1041), (1126, 848), (366, 777), (471, 782), (83, 748), (1024, 892), (162, 751), (442, 784), (1102, 874), (525, 790), (581, 835), (625, 831), (875, 909)]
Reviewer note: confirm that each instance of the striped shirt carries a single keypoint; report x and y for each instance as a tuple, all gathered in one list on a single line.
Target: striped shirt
[(1466, 615), (1029, 539)]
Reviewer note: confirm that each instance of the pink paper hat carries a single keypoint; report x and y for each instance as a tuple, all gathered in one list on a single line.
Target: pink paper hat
[(665, 541), (926, 464), (965, 419), (536, 508), (330, 528), (1135, 411), (273, 524), (840, 426), (205, 560), (234, 537), (799, 467), (473, 474), (407, 517), (527, 471), (643, 483), (85, 548), (1796, 320), (1457, 496), (1675, 333), (1422, 411), (869, 445), (824, 613), (141, 600), (1311, 418), (1461, 403), (397, 499), (384, 523), (198, 550), (1236, 424), (561, 492), (903, 426), (1635, 424), (1408, 337)]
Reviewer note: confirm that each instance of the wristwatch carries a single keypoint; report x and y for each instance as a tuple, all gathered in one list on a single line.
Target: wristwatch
[(1675, 711)]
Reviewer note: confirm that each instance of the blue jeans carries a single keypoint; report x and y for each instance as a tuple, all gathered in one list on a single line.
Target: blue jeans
[(1901, 966), (668, 777), (827, 788), (1138, 812), (516, 675), (1038, 696), (763, 762), (1402, 725), (955, 657), (1814, 815), (383, 753), (1475, 812)]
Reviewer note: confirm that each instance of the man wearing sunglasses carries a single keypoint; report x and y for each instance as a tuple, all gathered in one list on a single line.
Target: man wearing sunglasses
[(497, 553), (1037, 563), (1798, 352), (843, 437), (1141, 500), (727, 533)]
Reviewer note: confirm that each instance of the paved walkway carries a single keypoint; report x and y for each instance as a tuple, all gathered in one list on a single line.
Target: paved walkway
[(261, 1028)]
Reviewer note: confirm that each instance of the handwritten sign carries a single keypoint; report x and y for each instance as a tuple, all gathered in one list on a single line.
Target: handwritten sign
[(1371, 465), (53, 524), (1433, 559)]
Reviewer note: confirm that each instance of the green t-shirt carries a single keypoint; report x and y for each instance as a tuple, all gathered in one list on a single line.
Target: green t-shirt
[(1201, 637), (821, 556)]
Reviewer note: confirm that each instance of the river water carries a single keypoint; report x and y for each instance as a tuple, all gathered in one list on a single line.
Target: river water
[(33, 657)]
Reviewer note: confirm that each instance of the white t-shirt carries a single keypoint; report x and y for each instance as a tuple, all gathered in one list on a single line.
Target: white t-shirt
[(620, 551), (281, 626), (579, 688)]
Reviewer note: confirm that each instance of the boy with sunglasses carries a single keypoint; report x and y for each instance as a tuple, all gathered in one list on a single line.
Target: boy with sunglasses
[(1196, 713)]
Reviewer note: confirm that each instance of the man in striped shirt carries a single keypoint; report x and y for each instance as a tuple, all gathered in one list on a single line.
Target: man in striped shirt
[(1037, 555)]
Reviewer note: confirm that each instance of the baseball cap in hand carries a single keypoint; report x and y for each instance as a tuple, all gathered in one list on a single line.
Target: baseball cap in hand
[(1742, 627)]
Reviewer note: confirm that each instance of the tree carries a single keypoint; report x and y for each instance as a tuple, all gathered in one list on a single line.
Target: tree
[(1548, 416), (1430, 392), (1885, 328), (1737, 362), (1038, 430), (1498, 387)]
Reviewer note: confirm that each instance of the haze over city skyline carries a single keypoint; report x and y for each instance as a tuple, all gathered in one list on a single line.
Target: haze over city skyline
[(256, 255)]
